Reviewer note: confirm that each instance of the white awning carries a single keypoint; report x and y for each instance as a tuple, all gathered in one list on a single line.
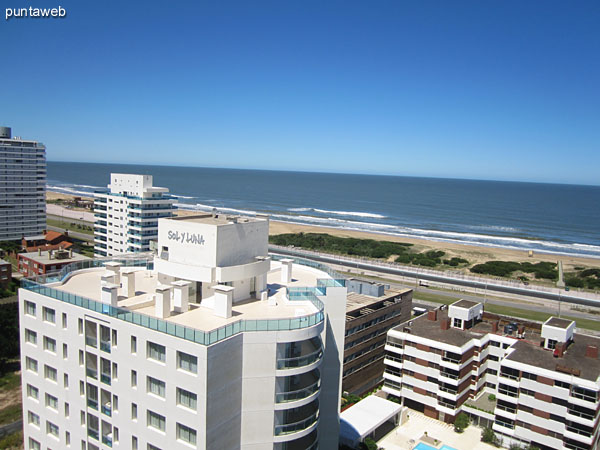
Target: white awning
[(361, 419)]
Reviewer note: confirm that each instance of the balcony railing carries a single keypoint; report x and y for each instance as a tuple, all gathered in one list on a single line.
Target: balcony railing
[(107, 410), (105, 378), (93, 433), (91, 341), (299, 394), (107, 440), (105, 346), (297, 426), (40, 283), (299, 361), (92, 403), (92, 373)]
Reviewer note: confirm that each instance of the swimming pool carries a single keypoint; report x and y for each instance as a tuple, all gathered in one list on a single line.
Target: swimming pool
[(423, 446)]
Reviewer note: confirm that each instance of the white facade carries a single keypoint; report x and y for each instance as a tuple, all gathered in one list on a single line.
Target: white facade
[(127, 214), (134, 372), (22, 187)]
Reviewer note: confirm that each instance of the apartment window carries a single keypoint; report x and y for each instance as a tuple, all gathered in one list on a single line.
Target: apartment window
[(153, 447), (155, 420), (134, 443), (115, 402), (186, 398), (133, 344), (49, 315), (82, 417), (51, 402), (81, 388), (50, 373), (34, 445), (114, 371), (114, 338), (81, 358), (68, 438), (80, 326), (33, 418), (155, 386), (49, 344), (51, 429), (133, 411), (30, 336), (67, 412), (156, 352), (186, 362), (64, 320), (65, 351), (133, 378), (66, 380), (33, 392), (31, 364), (186, 434), (30, 309)]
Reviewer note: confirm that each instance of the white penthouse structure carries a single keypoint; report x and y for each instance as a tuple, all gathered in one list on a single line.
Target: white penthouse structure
[(545, 379), (127, 214), (211, 344), (22, 187)]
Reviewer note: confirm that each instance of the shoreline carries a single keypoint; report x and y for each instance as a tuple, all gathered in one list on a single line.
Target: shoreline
[(474, 253)]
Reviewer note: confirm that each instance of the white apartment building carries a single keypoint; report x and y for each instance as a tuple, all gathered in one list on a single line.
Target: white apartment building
[(546, 379), (127, 214), (210, 344), (22, 187)]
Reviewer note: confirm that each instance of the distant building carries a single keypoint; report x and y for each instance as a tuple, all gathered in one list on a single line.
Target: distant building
[(43, 262), (127, 214), (5, 273), (22, 186), (371, 310), (545, 378), (49, 240)]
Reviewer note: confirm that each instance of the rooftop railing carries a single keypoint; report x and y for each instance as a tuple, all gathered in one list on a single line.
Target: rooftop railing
[(40, 284)]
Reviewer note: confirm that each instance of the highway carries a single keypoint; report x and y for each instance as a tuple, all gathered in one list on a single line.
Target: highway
[(488, 284)]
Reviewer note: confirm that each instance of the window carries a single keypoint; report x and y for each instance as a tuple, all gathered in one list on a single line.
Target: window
[(133, 378), (81, 358), (34, 445), (68, 438), (30, 336), (33, 418), (114, 370), (114, 338), (31, 364), (187, 362), (134, 443), (133, 411), (155, 386), (186, 434), (67, 412), (153, 447), (65, 351), (64, 320), (156, 352), (33, 392), (115, 402), (50, 373), (51, 402), (81, 388), (80, 326), (133, 344), (66, 380), (186, 398), (49, 344), (30, 309), (156, 421), (49, 315), (51, 429)]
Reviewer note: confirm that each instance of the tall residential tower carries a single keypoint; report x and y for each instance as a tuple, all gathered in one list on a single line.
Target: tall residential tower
[(22, 187), (127, 214)]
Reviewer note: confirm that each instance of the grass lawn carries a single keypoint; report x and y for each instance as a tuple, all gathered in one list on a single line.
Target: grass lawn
[(11, 414), (10, 381), (65, 224)]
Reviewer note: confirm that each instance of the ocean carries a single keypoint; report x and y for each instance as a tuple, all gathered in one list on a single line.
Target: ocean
[(553, 218)]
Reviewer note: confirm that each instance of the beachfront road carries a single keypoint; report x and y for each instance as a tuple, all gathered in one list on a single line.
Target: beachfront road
[(483, 283)]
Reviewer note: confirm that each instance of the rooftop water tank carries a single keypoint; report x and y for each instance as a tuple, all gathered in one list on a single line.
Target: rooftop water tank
[(5, 132)]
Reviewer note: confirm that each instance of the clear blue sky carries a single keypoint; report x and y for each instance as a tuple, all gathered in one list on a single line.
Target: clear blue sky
[(506, 90)]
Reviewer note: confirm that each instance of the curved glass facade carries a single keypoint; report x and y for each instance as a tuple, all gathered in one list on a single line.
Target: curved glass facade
[(291, 355), (297, 387), (296, 419)]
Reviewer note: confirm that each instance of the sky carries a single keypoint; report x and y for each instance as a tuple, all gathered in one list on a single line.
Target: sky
[(504, 90)]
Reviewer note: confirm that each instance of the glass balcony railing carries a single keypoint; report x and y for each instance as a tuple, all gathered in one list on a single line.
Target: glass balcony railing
[(299, 361), (91, 341), (105, 346), (40, 283), (297, 426), (93, 433), (92, 403), (107, 410), (299, 394), (92, 373), (105, 378), (107, 440)]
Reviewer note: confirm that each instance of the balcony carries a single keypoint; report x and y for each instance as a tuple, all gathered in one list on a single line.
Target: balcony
[(91, 373), (298, 394), (105, 378), (297, 426), (299, 361), (93, 433), (92, 403), (105, 346)]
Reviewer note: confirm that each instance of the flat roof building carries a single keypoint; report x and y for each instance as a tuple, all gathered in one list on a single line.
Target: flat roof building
[(545, 377), (22, 186), (127, 214), (43, 262), (209, 344)]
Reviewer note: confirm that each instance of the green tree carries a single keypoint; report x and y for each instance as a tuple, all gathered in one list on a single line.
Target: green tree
[(461, 422)]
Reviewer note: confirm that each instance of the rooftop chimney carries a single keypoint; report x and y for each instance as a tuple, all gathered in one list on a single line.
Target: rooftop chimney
[(223, 300), (445, 324), (591, 352), (181, 296), (495, 324), (286, 271), (432, 315), (128, 283), (162, 302)]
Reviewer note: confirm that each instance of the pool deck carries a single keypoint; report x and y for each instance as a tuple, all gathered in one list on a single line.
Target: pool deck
[(406, 437)]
